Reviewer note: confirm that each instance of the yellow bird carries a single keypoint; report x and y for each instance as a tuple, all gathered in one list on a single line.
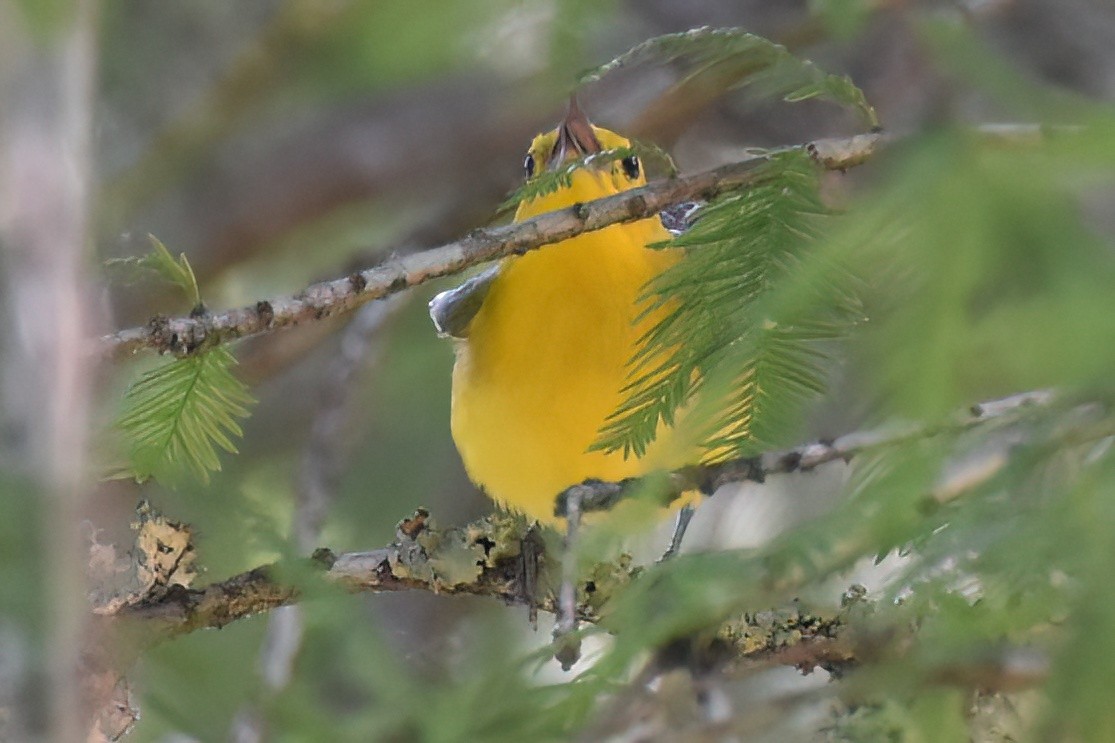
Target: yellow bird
[(545, 339)]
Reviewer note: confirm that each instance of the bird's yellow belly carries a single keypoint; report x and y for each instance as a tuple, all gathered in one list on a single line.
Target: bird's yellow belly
[(545, 363)]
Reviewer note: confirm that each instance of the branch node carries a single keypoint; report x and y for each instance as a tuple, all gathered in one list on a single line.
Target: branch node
[(592, 495), (567, 649), (162, 337), (414, 525), (357, 281), (398, 283), (792, 461), (266, 313), (637, 206), (324, 557)]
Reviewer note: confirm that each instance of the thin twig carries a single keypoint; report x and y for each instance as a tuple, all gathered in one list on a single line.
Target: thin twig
[(186, 335), (412, 562), (708, 478), (322, 461), (567, 646), (327, 447), (681, 525)]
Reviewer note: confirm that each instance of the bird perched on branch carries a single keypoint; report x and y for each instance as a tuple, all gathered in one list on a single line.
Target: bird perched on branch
[(545, 339)]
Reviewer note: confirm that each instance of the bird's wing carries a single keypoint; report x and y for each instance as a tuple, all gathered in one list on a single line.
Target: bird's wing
[(452, 310), (679, 217)]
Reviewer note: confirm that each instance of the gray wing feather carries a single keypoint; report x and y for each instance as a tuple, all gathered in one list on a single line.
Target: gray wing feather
[(452, 310), (680, 217)]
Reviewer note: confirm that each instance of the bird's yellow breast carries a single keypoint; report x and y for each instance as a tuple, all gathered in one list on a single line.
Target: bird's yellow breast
[(547, 356)]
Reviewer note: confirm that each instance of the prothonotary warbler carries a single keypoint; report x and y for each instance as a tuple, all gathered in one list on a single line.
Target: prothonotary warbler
[(543, 350)]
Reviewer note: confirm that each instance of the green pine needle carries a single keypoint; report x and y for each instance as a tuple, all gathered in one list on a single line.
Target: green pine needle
[(742, 344), (744, 60), (176, 416), (175, 270)]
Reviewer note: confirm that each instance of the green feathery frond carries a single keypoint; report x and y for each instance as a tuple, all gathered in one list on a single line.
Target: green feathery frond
[(176, 416), (175, 270), (740, 59), (730, 331)]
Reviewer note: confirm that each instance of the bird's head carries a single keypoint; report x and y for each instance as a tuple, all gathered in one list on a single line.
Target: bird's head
[(576, 137)]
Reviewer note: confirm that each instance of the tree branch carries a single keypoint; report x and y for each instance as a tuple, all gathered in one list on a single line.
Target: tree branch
[(598, 495), (486, 557), (416, 560), (422, 559), (183, 336), (502, 557)]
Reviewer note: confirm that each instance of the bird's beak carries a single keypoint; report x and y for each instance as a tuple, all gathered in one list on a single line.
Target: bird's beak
[(575, 136)]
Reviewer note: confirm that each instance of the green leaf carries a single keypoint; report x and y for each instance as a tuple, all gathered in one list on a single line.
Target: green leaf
[(176, 271), (176, 416), (740, 59)]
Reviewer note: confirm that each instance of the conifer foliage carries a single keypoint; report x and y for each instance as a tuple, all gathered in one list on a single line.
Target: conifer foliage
[(176, 416)]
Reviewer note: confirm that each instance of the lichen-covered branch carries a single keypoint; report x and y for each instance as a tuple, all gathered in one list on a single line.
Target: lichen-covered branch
[(505, 557), (186, 335), (497, 556), (489, 557)]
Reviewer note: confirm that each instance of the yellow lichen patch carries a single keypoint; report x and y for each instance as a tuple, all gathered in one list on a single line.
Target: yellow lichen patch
[(162, 556)]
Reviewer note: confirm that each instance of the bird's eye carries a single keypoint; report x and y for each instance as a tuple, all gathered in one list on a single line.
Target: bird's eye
[(630, 166), (528, 165)]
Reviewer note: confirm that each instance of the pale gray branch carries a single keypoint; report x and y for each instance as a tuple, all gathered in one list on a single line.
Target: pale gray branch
[(185, 335), (182, 336), (600, 495)]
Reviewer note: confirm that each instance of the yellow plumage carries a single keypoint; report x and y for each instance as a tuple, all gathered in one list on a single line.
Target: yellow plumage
[(546, 355)]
